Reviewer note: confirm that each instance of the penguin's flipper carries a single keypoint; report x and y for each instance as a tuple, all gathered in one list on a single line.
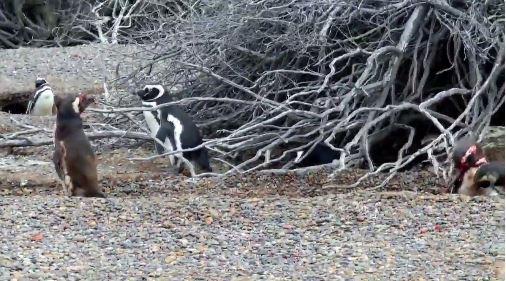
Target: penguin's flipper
[(30, 106), (165, 131), (158, 146), (170, 136), (58, 160), (170, 131)]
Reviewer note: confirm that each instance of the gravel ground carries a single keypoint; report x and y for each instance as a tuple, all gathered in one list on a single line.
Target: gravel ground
[(156, 225), (356, 236)]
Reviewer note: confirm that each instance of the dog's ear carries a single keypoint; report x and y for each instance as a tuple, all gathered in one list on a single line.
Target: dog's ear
[(85, 101), (82, 97)]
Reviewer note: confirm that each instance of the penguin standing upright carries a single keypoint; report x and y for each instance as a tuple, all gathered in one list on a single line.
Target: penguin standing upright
[(73, 157), (42, 102), (475, 175), (173, 127)]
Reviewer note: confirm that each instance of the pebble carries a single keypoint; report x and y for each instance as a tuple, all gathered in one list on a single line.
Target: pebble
[(268, 242)]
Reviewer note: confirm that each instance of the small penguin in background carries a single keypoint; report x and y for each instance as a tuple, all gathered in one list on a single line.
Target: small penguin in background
[(173, 127), (73, 156), (475, 175), (42, 102)]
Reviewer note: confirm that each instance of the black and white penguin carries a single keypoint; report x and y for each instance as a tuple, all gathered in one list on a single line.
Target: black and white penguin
[(173, 127), (42, 102)]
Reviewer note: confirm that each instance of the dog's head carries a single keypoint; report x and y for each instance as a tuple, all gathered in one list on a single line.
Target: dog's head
[(72, 105), (84, 102)]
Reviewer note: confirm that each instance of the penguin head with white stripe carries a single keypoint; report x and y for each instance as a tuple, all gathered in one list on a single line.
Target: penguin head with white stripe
[(151, 93), (39, 82)]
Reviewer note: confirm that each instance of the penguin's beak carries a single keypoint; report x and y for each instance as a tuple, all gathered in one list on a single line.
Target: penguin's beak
[(139, 93)]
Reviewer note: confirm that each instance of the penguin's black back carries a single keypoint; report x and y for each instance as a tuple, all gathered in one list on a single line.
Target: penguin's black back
[(191, 135)]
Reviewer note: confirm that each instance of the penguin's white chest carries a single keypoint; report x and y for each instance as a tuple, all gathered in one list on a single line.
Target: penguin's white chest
[(151, 121), (44, 104)]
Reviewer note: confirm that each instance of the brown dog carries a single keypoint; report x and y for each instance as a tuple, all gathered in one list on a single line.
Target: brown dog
[(73, 157)]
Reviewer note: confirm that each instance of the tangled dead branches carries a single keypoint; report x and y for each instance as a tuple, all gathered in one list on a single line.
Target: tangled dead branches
[(383, 83), (360, 76), (70, 22)]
